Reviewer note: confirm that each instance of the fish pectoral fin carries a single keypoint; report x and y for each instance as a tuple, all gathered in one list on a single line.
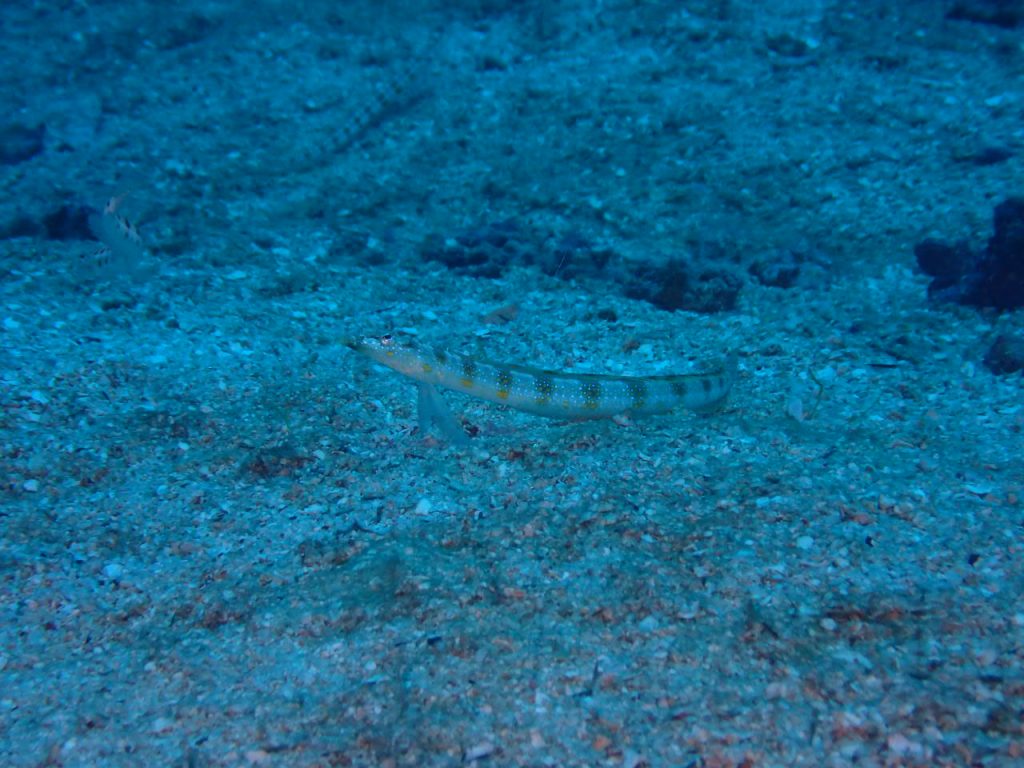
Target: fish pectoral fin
[(432, 409)]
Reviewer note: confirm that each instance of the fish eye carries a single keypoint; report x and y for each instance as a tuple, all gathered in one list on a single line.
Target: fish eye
[(386, 339)]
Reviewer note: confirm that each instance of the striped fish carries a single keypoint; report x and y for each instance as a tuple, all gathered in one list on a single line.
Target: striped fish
[(555, 394)]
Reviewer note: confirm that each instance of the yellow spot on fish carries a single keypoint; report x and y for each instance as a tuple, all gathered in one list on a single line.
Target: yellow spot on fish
[(504, 384), (468, 372), (637, 393), (544, 387), (590, 392)]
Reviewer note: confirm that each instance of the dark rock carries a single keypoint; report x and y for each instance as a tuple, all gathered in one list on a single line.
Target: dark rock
[(186, 30), (714, 291), (787, 45), (573, 256), (779, 270), (991, 156), (1007, 242), (496, 235), (1006, 355), (1002, 283), (994, 278), (707, 284), (477, 253), (938, 259), (21, 226), (19, 143), (664, 286), (678, 285), (490, 249), (1000, 13), (69, 222)]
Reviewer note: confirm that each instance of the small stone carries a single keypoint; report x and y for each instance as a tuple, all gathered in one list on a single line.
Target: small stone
[(161, 725), (649, 624), (113, 571), (826, 375), (479, 751), (19, 143)]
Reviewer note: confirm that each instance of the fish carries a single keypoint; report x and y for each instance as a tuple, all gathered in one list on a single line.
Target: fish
[(122, 252), (539, 391), (117, 234)]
